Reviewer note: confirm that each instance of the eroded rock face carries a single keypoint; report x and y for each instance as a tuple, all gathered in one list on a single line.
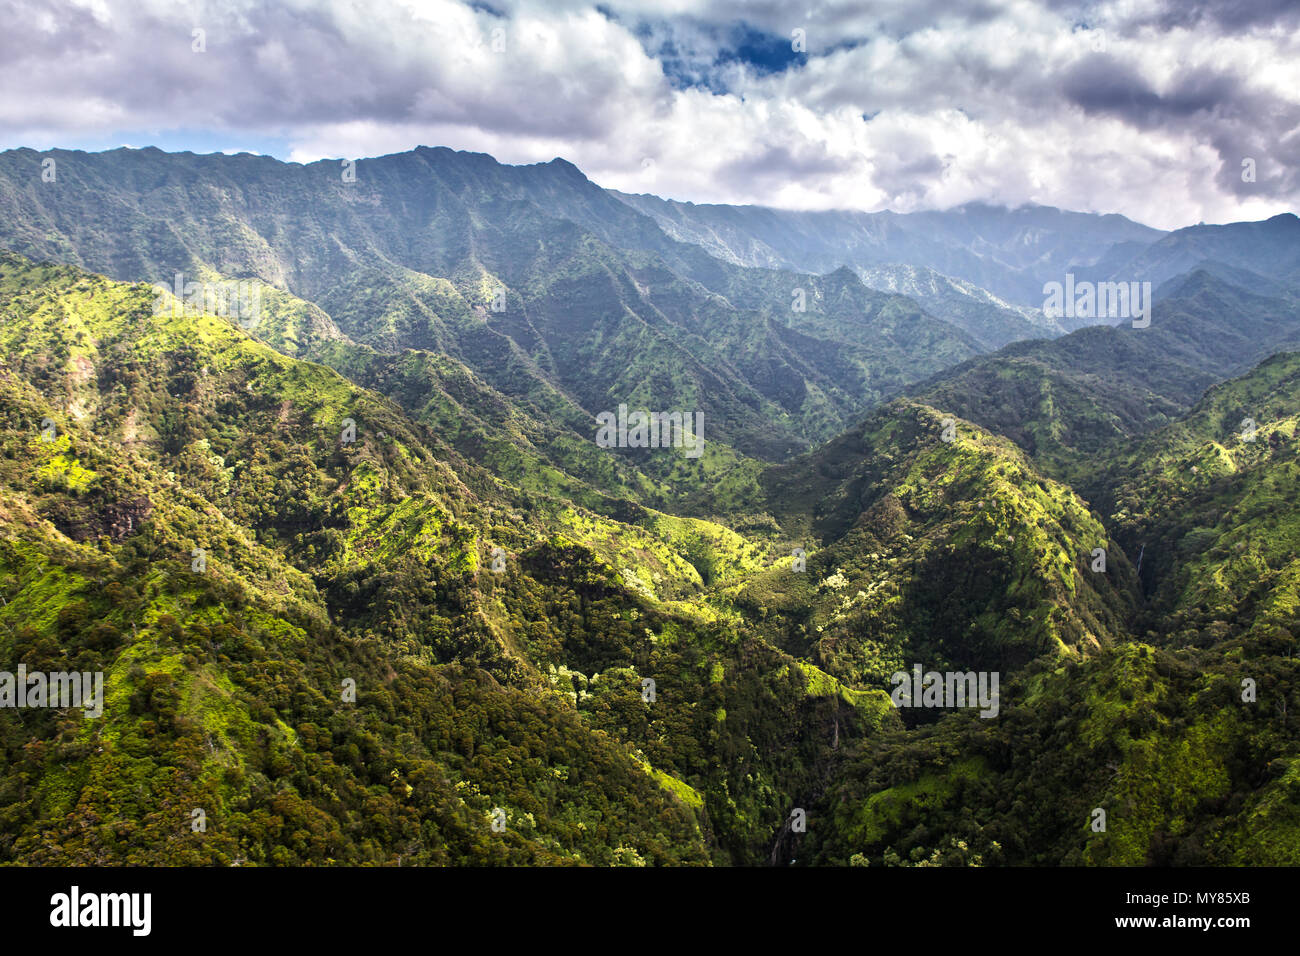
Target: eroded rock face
[(115, 520), (125, 517)]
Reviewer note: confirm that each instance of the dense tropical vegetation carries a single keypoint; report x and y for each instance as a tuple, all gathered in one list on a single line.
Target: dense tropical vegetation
[(365, 590)]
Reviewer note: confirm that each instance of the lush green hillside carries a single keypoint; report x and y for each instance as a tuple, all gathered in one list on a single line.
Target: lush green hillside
[(372, 561), (1185, 771), (939, 552), (1184, 733), (1210, 501)]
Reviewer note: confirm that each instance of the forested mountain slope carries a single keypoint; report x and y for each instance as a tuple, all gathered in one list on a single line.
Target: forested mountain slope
[(175, 437)]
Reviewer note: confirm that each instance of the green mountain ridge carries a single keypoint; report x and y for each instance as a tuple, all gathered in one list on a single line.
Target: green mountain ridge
[(532, 276)]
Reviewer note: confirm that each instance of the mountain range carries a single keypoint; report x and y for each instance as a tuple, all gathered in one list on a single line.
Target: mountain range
[(366, 589)]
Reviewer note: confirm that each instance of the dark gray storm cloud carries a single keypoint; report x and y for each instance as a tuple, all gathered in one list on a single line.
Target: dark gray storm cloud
[(1106, 84)]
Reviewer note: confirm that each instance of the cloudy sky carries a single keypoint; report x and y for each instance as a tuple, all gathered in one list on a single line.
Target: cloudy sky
[(1144, 107)]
